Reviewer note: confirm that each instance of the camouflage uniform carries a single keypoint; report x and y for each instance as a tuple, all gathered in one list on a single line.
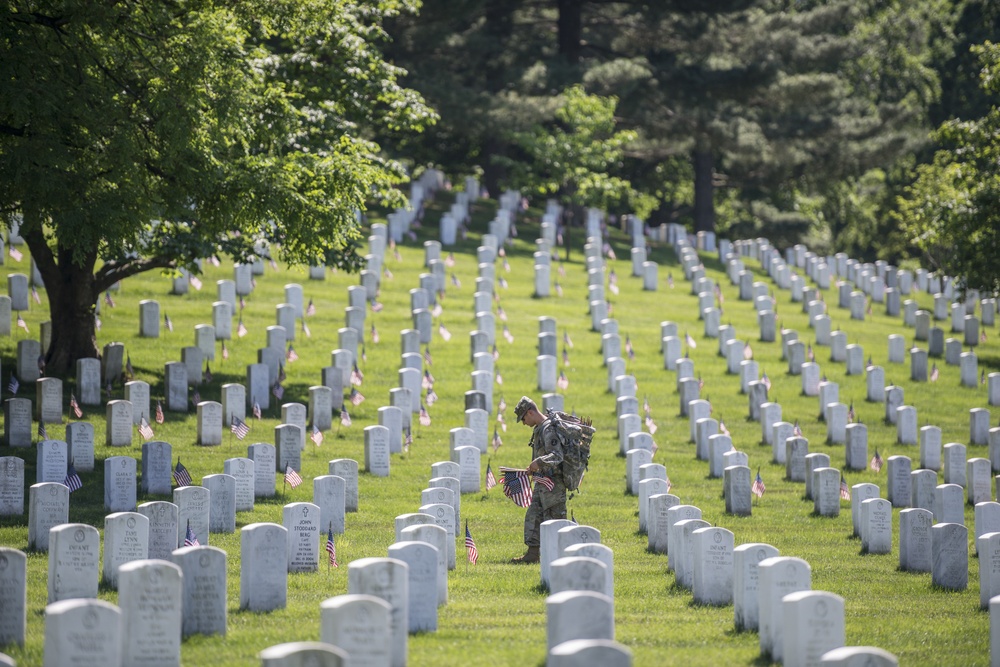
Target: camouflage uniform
[(547, 453)]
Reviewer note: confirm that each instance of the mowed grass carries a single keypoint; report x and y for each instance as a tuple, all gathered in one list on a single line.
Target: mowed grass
[(496, 611)]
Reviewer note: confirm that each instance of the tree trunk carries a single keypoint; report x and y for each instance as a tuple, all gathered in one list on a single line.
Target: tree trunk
[(72, 292), (71, 310), (704, 190), (570, 25)]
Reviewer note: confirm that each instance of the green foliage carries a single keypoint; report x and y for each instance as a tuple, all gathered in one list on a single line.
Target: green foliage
[(577, 156), (952, 210), (231, 123)]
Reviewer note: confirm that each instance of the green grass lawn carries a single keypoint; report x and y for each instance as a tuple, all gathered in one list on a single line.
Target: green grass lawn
[(496, 611)]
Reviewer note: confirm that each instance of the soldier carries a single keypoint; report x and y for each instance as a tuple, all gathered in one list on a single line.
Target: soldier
[(546, 459)]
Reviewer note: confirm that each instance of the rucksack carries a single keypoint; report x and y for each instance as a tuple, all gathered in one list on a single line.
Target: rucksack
[(575, 433)]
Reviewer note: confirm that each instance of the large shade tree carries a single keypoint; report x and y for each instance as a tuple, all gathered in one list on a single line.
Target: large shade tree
[(138, 136)]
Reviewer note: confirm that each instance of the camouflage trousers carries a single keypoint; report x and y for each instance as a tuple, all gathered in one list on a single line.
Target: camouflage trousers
[(544, 505)]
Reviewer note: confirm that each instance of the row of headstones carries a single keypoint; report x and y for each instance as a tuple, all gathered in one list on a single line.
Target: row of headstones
[(242, 480)]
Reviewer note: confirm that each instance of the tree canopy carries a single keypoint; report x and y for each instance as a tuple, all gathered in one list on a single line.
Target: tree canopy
[(136, 136)]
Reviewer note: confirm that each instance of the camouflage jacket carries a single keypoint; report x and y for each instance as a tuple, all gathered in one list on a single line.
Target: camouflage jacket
[(546, 449)]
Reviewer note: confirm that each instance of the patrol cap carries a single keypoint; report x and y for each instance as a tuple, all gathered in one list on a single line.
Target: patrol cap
[(523, 406)]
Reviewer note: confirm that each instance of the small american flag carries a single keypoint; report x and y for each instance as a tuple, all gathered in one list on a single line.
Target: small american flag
[(311, 308), (331, 550), (108, 300), (167, 323), (501, 314), (292, 478), (450, 259), (501, 405), (75, 406), (566, 339), (427, 356), (357, 377), (562, 269), (195, 398), (810, 353), (454, 281), (876, 462), (690, 341), (670, 280), (43, 433), (408, 440), (845, 493), (129, 370), (425, 418), (502, 282), (345, 418), (747, 352), (21, 323), (758, 485), (722, 428), (544, 481), (374, 333), (256, 410), (497, 440), (38, 299), (215, 261), (507, 335), (278, 391), (651, 426), (190, 539), (159, 412), (73, 480), (13, 385), (506, 265), (502, 421), (470, 545), (145, 430), (195, 282), (15, 254), (444, 333), (291, 355), (559, 289), (565, 356), (428, 380), (241, 329), (766, 381), (491, 479), (499, 377), (356, 397), (181, 474), (850, 413), (432, 397), (496, 352), (208, 373), (517, 486), (239, 428), (243, 303), (376, 306), (305, 329), (628, 348), (225, 351), (387, 273), (797, 430), (316, 436), (562, 381)]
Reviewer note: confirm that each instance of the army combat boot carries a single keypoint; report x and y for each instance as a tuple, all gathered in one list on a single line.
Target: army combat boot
[(530, 556)]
